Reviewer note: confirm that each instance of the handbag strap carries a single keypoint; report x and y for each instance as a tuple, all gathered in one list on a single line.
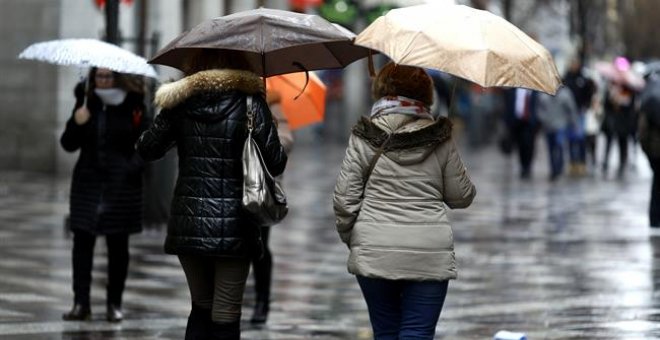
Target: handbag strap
[(250, 139), (250, 113), (374, 159)]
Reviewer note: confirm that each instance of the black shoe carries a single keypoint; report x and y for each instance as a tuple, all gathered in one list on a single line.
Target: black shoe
[(260, 312), (79, 312), (113, 313)]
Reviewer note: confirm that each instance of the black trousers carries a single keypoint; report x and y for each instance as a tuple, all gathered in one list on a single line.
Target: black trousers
[(622, 140), (263, 269), (217, 285), (83, 259), (524, 135)]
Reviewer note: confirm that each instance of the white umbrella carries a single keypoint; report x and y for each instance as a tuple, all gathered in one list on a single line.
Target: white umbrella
[(88, 53)]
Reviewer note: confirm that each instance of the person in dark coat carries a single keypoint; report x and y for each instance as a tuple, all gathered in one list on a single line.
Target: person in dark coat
[(583, 89), (263, 266), (522, 124), (649, 139), (619, 112), (106, 188), (204, 116)]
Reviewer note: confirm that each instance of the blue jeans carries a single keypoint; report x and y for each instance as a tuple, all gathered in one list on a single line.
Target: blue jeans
[(402, 309), (556, 146)]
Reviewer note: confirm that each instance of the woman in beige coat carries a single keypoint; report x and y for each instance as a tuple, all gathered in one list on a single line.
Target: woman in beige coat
[(400, 175)]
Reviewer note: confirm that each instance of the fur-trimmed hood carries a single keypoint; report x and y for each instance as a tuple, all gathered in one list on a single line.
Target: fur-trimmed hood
[(408, 146), (220, 80)]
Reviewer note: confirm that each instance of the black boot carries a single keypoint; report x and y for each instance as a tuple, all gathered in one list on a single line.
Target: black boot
[(113, 313), (260, 314), (79, 312), (226, 331), (199, 324)]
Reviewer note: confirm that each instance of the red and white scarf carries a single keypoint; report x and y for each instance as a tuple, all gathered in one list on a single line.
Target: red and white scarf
[(401, 105)]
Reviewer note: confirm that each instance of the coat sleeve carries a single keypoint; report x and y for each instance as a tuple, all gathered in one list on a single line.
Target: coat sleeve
[(283, 130), (141, 122), (458, 188), (266, 137), (347, 200), (159, 138), (72, 138)]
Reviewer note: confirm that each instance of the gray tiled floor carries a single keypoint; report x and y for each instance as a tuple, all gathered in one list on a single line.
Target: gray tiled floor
[(571, 259)]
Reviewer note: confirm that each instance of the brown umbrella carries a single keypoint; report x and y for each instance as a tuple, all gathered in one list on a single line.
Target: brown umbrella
[(273, 41), (469, 43)]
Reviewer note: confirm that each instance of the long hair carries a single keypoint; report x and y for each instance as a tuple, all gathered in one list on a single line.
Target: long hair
[(201, 60)]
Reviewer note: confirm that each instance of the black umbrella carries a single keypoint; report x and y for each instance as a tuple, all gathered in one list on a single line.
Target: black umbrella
[(273, 42)]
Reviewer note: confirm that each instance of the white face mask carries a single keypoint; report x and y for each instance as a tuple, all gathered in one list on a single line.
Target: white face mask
[(112, 96)]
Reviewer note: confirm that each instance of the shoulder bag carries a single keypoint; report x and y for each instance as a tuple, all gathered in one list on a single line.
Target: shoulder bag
[(264, 199)]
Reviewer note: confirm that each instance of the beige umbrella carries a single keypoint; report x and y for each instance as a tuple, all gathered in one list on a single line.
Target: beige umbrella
[(472, 44)]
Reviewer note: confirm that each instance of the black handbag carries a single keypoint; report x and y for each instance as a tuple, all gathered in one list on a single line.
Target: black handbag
[(264, 199)]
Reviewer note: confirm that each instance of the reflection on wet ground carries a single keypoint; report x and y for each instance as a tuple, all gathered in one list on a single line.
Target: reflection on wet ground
[(565, 260)]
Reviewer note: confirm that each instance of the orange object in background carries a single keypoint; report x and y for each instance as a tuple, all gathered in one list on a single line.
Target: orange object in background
[(309, 107)]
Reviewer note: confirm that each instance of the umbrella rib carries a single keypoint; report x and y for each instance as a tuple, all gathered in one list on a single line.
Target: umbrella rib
[(333, 54), (408, 49)]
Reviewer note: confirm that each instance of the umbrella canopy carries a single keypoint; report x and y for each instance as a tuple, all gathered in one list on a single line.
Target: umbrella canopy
[(88, 53), (301, 109), (619, 74), (472, 44), (274, 42)]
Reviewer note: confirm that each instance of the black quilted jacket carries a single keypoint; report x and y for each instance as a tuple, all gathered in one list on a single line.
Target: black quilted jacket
[(204, 115), (106, 187)]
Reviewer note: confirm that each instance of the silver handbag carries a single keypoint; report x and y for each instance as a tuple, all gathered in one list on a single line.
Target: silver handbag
[(264, 199)]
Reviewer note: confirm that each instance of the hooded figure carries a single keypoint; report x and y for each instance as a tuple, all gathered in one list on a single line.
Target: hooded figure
[(394, 219)]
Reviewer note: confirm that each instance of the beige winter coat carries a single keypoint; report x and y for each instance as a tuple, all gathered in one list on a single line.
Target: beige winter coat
[(400, 229)]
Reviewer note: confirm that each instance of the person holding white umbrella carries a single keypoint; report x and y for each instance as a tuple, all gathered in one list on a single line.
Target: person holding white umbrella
[(106, 188)]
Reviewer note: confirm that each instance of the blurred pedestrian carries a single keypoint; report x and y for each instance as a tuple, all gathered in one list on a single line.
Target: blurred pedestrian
[(583, 89), (263, 266), (593, 120), (205, 116), (558, 116), (649, 138), (618, 107), (106, 188), (522, 125), (391, 211)]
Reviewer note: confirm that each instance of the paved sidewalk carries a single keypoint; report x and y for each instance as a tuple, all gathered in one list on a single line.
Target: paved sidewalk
[(565, 260)]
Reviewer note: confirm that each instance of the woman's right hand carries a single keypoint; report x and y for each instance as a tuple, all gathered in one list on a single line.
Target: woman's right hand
[(81, 116)]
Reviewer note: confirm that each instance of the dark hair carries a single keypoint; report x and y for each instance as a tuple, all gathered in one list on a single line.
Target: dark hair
[(402, 80), (202, 60)]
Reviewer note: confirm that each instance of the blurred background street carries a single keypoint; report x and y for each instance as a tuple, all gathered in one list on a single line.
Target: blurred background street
[(565, 260), (562, 250)]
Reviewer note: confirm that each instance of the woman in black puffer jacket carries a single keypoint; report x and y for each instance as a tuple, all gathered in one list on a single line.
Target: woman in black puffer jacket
[(106, 188), (204, 115)]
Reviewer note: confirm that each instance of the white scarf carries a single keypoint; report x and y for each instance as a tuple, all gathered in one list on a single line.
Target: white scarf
[(112, 96)]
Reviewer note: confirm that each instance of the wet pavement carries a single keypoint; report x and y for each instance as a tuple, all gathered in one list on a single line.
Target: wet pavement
[(566, 260)]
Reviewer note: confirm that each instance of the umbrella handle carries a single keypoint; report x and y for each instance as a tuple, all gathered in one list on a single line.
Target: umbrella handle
[(370, 62), (295, 63), (86, 92), (453, 99)]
